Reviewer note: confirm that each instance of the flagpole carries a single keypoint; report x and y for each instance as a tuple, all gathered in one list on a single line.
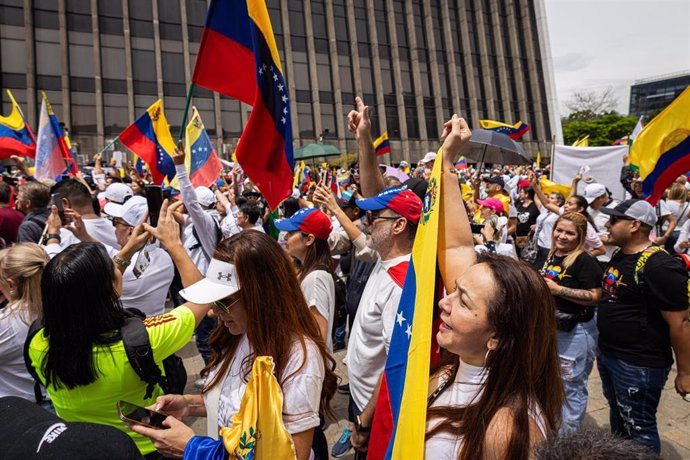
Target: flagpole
[(553, 153), (186, 110), (110, 144)]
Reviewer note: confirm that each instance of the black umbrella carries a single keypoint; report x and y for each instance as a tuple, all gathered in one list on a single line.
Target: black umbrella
[(491, 147)]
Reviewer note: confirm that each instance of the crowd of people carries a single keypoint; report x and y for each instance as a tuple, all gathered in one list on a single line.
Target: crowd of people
[(538, 287)]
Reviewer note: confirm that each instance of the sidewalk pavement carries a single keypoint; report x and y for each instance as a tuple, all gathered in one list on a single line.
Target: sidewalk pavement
[(673, 416)]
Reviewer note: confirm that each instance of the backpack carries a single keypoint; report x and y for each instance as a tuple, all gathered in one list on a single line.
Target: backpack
[(139, 354), (340, 294), (219, 238)]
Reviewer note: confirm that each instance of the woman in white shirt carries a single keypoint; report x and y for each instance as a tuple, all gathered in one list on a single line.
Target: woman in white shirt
[(497, 391), (262, 312), (20, 281), (307, 241), (490, 238)]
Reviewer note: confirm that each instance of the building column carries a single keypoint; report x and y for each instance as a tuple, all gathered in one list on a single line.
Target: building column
[(436, 90), (376, 64), (30, 47), (416, 76), (64, 64), (486, 65), (157, 49), (397, 78), (472, 90), (100, 118), (534, 82), (313, 75), (129, 73), (354, 48), (517, 69), (450, 53), (500, 57), (335, 77), (547, 66)]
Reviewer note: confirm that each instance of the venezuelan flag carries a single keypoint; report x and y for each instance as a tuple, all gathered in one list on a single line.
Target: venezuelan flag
[(16, 137), (202, 160), (50, 162), (515, 131), (381, 145), (662, 149), (149, 137), (238, 57), (400, 416), (461, 163)]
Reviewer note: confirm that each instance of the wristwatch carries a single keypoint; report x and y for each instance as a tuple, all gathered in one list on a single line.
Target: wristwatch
[(359, 427), (51, 236), (120, 262)]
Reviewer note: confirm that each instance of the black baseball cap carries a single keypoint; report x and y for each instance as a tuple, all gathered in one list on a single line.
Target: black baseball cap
[(496, 180), (31, 432)]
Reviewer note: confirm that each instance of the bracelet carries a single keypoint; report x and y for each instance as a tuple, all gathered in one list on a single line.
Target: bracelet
[(51, 236), (120, 262)]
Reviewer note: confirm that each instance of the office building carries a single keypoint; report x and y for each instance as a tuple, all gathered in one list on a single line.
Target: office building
[(652, 95)]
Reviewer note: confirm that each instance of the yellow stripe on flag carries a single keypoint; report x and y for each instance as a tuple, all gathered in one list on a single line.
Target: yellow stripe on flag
[(259, 14), (548, 186)]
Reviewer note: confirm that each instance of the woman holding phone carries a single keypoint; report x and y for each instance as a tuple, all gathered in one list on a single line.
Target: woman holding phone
[(79, 355)]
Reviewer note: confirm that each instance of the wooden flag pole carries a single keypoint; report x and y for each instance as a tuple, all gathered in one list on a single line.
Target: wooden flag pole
[(186, 110)]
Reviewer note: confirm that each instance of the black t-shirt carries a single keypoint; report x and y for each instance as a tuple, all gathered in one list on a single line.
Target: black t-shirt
[(526, 217), (633, 330), (584, 273)]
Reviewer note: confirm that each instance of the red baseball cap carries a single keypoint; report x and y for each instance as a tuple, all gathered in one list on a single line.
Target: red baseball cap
[(307, 220), (398, 199)]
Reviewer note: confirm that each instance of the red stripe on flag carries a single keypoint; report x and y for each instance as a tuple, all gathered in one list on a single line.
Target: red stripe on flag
[(382, 424), (144, 147), (222, 66), (667, 177), (261, 152), (208, 173), (9, 147)]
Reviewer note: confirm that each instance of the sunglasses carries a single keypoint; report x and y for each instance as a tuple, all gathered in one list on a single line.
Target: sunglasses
[(119, 221), (371, 217), (354, 171), (615, 219), (224, 308)]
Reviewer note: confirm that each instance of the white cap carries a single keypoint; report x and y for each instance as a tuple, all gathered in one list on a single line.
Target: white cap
[(117, 192), (220, 282), (430, 156), (634, 209), (205, 196), (132, 212), (594, 191)]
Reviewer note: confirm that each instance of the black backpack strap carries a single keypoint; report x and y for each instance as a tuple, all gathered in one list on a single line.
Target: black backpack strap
[(640, 281), (36, 326), (140, 354), (219, 237)]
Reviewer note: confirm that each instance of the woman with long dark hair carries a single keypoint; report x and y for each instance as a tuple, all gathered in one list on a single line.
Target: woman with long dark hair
[(79, 355), (262, 314), (497, 390), (307, 241), (574, 279)]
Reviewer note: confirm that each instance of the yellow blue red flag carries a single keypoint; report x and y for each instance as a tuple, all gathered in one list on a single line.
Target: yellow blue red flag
[(16, 137), (238, 57), (400, 417), (201, 158), (515, 131), (149, 138), (662, 149), (381, 145)]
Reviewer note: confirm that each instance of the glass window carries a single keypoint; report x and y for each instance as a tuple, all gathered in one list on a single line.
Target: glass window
[(46, 19), (306, 121), (230, 119), (11, 16), (48, 59), (328, 122), (13, 55), (83, 113), (115, 112), (113, 63)]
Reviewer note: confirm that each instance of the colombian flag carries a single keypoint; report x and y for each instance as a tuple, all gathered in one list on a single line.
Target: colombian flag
[(381, 145), (622, 141), (202, 160), (16, 137), (515, 131), (662, 149), (149, 137), (400, 417), (238, 57)]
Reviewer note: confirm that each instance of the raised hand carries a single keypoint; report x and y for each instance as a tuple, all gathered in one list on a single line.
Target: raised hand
[(358, 120), (178, 155), (455, 135)]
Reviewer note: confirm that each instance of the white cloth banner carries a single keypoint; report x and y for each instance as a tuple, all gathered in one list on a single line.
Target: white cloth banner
[(605, 165)]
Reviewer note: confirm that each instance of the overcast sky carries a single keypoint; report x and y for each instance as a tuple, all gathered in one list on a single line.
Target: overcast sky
[(600, 43)]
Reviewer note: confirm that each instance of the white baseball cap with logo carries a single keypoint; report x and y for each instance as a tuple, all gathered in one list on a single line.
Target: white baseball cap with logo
[(220, 282), (594, 191)]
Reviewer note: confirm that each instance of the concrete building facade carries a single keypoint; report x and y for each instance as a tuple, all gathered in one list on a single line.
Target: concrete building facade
[(102, 62)]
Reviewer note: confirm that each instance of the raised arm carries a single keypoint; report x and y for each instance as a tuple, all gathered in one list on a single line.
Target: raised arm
[(370, 177), (455, 244), (540, 194), (573, 185)]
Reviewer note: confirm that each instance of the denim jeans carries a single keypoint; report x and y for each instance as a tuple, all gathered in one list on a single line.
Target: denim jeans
[(203, 332), (633, 395), (576, 350)]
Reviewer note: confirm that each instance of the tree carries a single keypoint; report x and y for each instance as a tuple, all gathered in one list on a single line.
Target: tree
[(602, 130), (585, 105)]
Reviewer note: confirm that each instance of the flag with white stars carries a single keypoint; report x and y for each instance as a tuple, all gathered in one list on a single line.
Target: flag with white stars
[(49, 160), (515, 131), (201, 159), (399, 423), (238, 57)]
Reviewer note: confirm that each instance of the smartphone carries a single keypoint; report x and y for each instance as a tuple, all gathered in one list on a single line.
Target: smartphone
[(142, 263), (56, 199), (476, 228), (154, 200), (131, 413)]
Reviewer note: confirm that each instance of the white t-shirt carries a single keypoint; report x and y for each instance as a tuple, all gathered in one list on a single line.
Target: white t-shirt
[(679, 211), (371, 331), (149, 291), (319, 291), (301, 393), (15, 380), (466, 389), (103, 230), (600, 220), (546, 220)]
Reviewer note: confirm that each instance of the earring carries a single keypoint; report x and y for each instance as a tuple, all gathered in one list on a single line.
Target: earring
[(486, 356)]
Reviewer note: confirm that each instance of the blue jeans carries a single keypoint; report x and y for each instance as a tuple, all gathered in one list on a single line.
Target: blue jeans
[(203, 332), (633, 395), (576, 350)]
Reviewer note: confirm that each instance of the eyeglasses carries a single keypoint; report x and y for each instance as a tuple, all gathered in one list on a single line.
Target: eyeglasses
[(615, 219), (354, 171), (224, 308), (119, 221), (371, 217)]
